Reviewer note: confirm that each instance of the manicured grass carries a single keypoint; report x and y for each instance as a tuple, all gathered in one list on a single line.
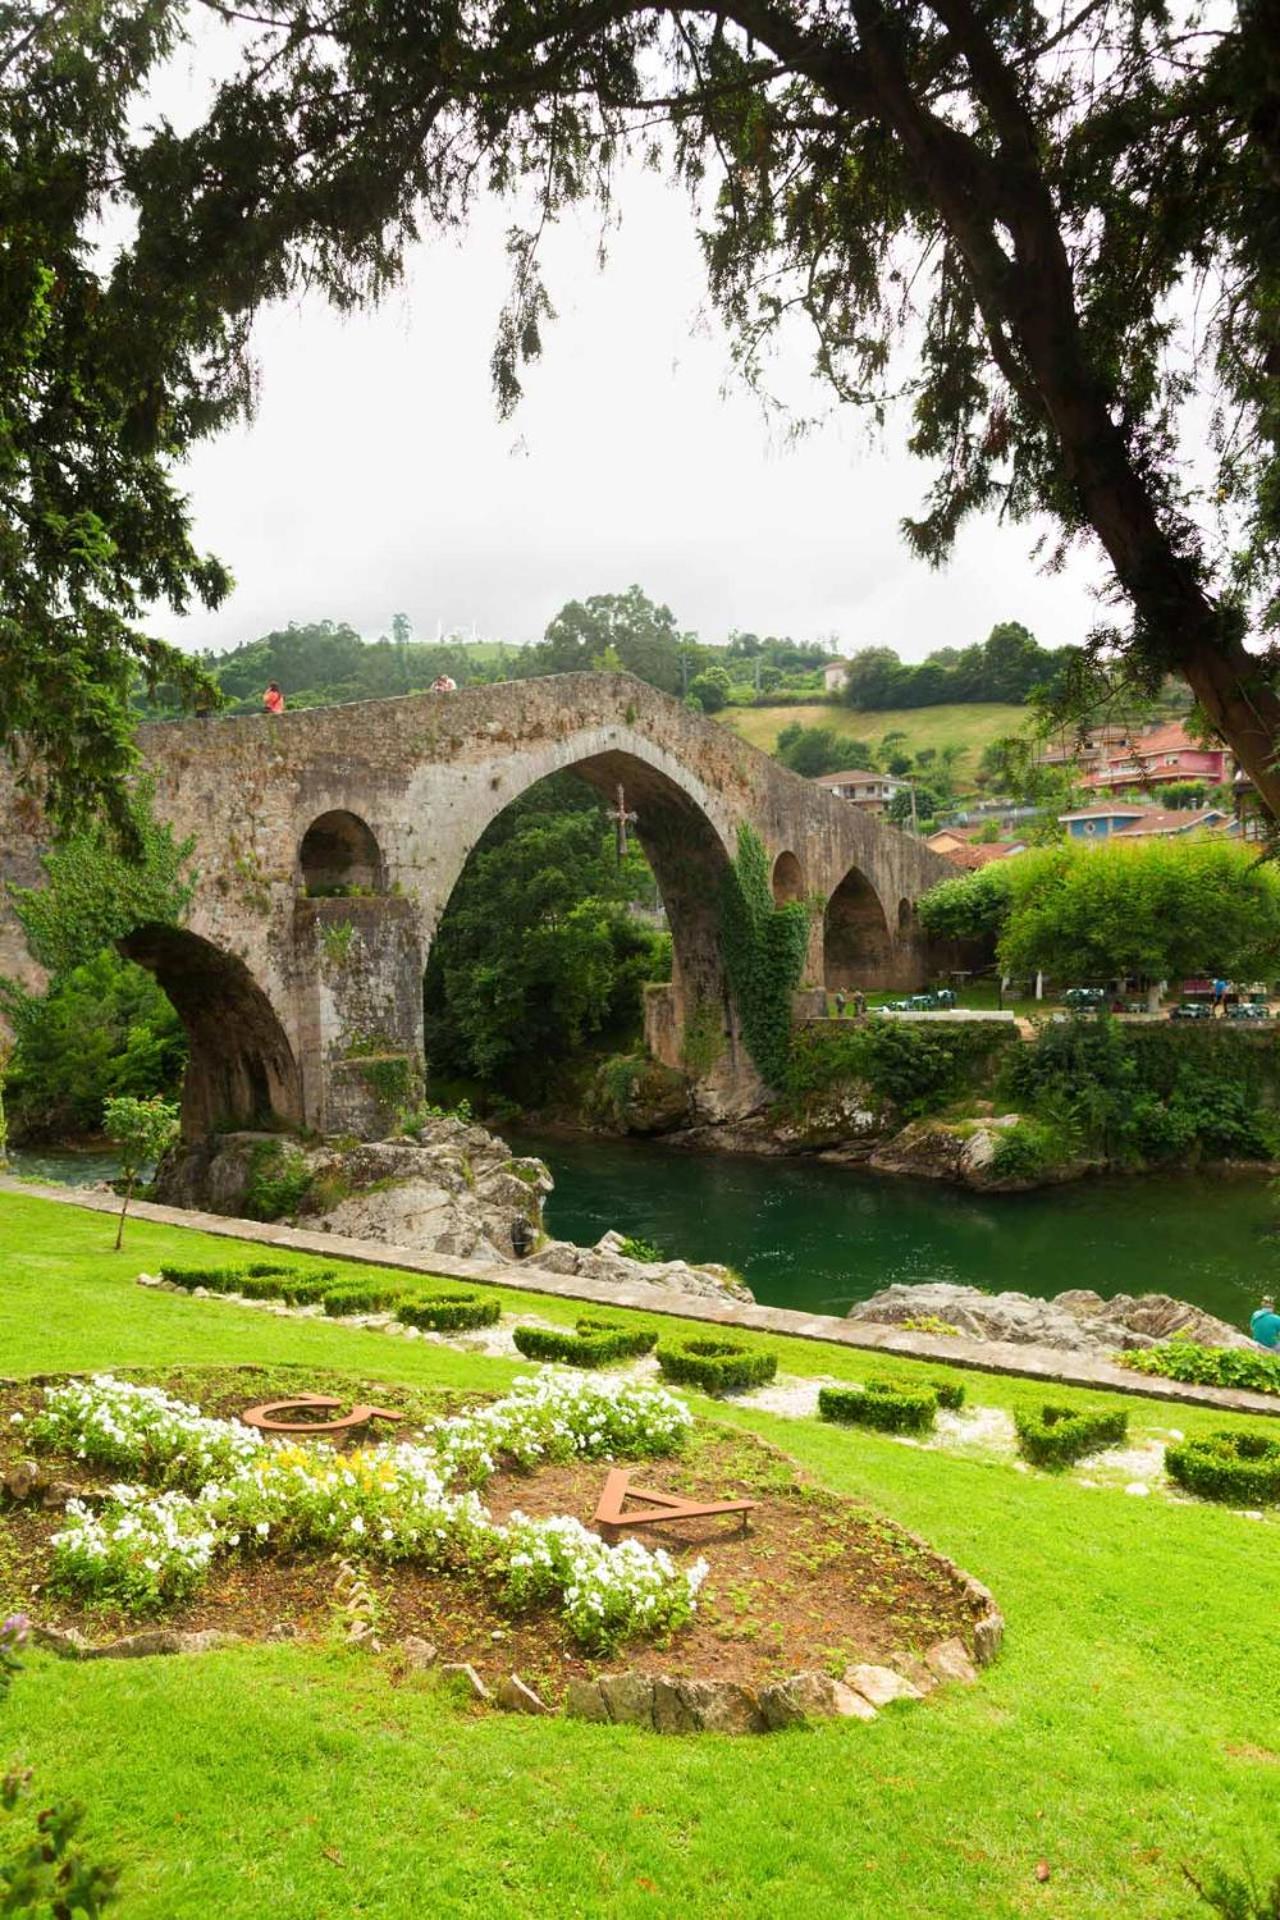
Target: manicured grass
[(971, 727), (1130, 1724)]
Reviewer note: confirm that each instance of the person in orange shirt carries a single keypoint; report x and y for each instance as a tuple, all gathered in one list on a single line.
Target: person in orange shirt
[(273, 699)]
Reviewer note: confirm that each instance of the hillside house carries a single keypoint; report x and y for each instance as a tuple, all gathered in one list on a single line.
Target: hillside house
[(1127, 820), (871, 790)]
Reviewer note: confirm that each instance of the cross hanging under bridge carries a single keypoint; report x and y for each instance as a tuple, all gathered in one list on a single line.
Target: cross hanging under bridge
[(622, 819)]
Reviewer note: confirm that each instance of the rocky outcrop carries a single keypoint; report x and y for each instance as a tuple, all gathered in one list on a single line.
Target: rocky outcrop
[(966, 1153), (608, 1263), (452, 1188), (1078, 1321)]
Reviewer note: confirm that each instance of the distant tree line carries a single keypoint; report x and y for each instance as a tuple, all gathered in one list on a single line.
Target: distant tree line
[(1009, 665)]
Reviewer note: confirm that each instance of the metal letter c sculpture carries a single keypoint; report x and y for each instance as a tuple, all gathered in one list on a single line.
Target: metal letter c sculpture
[(266, 1420)]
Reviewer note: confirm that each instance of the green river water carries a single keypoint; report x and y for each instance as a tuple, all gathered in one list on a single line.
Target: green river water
[(819, 1237)]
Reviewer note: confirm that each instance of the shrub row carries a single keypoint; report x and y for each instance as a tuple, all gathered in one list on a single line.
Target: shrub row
[(441, 1313), (593, 1343), (880, 1404), (888, 1407), (1243, 1468), (448, 1312), (1208, 1366), (259, 1281), (717, 1366), (1055, 1436)]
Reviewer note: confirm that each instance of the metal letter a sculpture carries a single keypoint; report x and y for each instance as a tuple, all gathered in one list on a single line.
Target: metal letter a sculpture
[(661, 1507), (266, 1417)]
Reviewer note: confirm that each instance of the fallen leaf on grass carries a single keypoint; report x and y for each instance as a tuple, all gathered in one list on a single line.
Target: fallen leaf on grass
[(335, 1855), (1042, 1870)]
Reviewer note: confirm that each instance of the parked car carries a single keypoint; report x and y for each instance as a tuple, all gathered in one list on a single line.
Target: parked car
[(1194, 1010), (1084, 997)]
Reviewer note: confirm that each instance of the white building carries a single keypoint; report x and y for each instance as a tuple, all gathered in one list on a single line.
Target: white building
[(871, 790)]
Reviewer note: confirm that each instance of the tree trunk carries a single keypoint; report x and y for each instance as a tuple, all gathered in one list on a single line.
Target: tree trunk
[(128, 1195)]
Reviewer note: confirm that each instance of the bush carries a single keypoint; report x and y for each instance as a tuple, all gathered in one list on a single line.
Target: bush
[(1028, 1149), (279, 1181), (447, 1312), (880, 1404), (634, 1248), (950, 1394), (1243, 1468), (717, 1366), (286, 1283), (1055, 1436), (215, 1279), (363, 1296), (1208, 1366), (594, 1343)]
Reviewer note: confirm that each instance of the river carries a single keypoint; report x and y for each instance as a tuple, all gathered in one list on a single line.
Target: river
[(820, 1237)]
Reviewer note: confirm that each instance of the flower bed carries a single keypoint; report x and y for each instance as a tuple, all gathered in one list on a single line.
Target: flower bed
[(1208, 1366), (448, 1312), (882, 1405), (717, 1366), (143, 1549), (593, 1343), (1057, 1436), (1243, 1468)]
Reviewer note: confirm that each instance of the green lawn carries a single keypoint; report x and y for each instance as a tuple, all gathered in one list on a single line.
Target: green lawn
[(1131, 1724), (971, 727)]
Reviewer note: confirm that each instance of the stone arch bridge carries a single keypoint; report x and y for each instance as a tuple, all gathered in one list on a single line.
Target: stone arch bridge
[(305, 1004)]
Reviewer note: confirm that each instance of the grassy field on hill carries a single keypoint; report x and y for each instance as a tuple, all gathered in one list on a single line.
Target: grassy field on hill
[(972, 727), (1126, 1730)]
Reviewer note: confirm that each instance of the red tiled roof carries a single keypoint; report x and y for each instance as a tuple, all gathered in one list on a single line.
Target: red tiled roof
[(971, 858), (843, 779)]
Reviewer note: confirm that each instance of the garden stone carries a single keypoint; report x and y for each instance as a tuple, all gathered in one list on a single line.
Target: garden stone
[(949, 1660), (913, 1668), (584, 1701), (804, 1697), (880, 1685), (988, 1633), (674, 1708), (628, 1698), (68, 1642), (515, 1697), (22, 1479), (283, 1630), (418, 1653), (724, 1706), (475, 1685)]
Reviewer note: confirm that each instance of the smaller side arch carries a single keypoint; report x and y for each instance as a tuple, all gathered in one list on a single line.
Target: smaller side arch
[(857, 944), (788, 879), (339, 853), (241, 1071)]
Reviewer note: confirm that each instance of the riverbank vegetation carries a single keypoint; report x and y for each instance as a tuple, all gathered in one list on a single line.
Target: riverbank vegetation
[(285, 1760)]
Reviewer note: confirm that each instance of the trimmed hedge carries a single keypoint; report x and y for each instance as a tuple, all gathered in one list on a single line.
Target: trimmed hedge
[(1243, 1468), (880, 1404), (1056, 1436), (447, 1312), (717, 1366), (362, 1296), (1208, 1366), (283, 1283), (594, 1343), (216, 1279), (950, 1394)]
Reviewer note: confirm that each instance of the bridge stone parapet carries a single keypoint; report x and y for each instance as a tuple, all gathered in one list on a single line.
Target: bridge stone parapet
[(299, 999)]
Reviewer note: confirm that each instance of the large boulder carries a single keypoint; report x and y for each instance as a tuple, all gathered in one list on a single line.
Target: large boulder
[(1077, 1321)]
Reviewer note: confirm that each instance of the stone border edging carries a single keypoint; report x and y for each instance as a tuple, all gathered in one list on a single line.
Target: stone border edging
[(1046, 1364), (655, 1702)]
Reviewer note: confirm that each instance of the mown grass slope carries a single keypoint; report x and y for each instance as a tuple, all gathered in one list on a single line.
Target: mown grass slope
[(970, 727), (1129, 1726)]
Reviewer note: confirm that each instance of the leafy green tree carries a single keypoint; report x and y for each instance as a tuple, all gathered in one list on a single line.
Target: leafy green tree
[(812, 751), (642, 636), (94, 894), (958, 175), (101, 1029), (536, 953), (143, 1132), (711, 689), (1151, 909)]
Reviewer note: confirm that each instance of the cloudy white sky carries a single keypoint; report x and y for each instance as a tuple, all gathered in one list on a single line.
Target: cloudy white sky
[(376, 476)]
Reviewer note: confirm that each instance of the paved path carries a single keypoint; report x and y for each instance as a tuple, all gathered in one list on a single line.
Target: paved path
[(984, 1356)]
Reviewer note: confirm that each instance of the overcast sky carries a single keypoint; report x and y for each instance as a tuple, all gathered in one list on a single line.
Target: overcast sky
[(376, 477)]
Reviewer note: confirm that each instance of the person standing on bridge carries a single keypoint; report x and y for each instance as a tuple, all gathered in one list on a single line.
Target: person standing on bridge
[(273, 699)]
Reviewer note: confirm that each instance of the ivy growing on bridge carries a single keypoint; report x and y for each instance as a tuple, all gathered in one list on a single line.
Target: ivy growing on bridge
[(764, 947)]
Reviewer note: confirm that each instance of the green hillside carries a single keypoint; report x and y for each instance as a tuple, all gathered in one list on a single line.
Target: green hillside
[(970, 726)]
